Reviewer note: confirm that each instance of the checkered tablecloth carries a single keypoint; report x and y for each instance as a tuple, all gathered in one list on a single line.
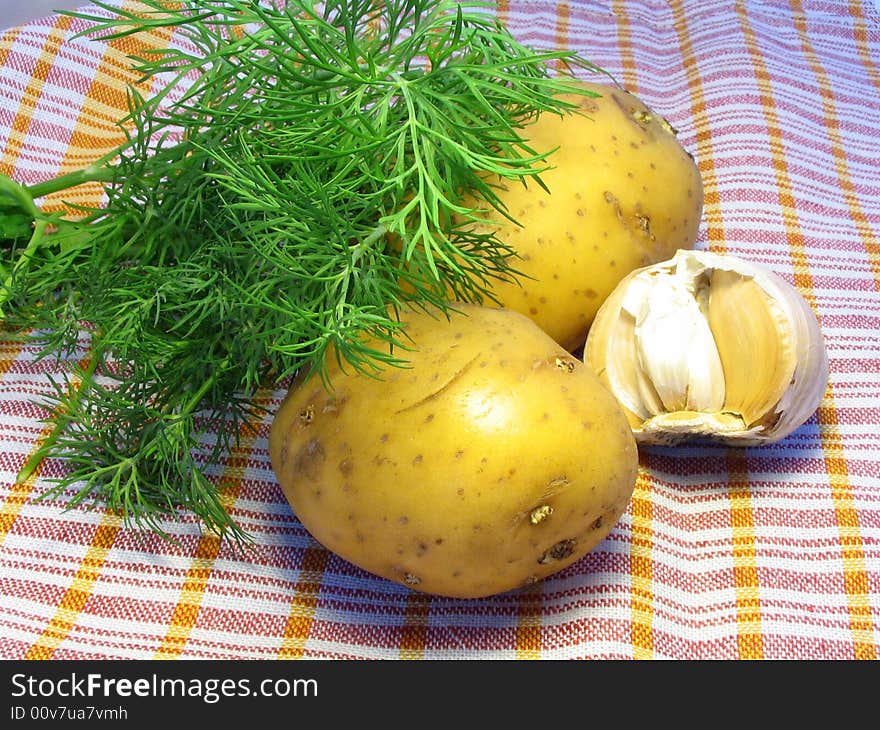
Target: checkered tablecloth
[(723, 553)]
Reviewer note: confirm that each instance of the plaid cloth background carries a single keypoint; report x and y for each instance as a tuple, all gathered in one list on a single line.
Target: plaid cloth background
[(770, 552)]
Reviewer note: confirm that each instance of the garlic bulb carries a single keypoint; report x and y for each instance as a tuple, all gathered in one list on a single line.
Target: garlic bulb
[(709, 345)]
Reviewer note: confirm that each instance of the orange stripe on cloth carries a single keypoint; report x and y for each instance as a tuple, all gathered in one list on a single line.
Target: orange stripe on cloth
[(413, 637), (7, 39), (860, 36), (642, 569), (624, 44), (855, 575), (20, 492), (530, 611), (97, 131), (838, 150), (702, 125), (304, 603), (749, 641), (76, 595), (563, 14), (22, 121)]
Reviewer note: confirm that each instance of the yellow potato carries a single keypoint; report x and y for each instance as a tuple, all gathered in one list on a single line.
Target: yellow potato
[(624, 194), (492, 461)]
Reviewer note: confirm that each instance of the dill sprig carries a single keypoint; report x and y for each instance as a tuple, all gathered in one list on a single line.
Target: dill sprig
[(303, 182)]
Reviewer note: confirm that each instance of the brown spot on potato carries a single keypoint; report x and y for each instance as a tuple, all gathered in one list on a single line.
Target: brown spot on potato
[(417, 459), (309, 460), (411, 580), (560, 551), (345, 466), (597, 523), (403, 519), (307, 415)]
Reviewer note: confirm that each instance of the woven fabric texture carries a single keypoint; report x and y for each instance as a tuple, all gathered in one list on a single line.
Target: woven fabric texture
[(723, 553)]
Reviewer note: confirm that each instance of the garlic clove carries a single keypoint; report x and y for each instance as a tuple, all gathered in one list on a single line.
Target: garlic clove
[(750, 327), (677, 353), (707, 345)]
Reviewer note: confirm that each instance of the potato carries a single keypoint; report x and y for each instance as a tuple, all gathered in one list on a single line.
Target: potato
[(624, 194), (492, 460)]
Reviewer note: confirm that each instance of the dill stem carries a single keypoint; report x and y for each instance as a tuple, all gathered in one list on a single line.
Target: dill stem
[(95, 172), (376, 234)]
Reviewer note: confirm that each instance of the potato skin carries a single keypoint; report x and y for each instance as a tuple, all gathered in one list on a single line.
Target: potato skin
[(624, 194), (493, 461)]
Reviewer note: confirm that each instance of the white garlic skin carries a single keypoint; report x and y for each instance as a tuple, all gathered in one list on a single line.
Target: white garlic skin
[(618, 350)]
